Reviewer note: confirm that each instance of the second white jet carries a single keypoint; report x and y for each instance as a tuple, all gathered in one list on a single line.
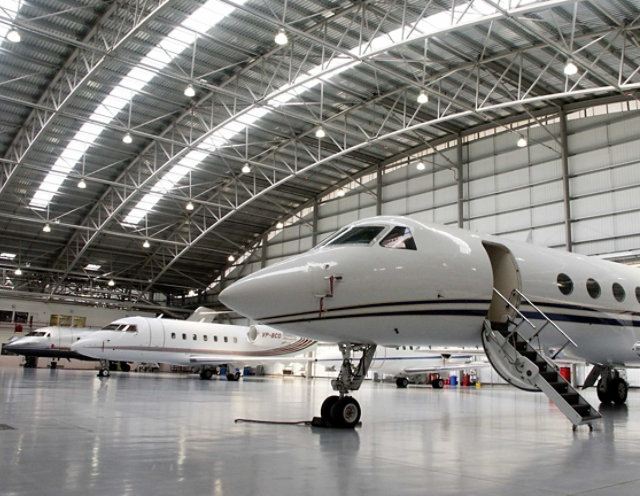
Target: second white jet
[(190, 343)]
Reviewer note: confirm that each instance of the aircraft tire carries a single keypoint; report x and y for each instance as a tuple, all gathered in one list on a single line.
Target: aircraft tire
[(233, 377), (346, 412), (206, 374), (437, 384), (604, 393), (105, 372), (325, 409), (402, 382), (125, 367), (618, 389)]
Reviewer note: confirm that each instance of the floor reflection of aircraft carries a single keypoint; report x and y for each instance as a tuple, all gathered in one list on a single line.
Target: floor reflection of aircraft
[(394, 281), (48, 342), (406, 362), (190, 343)]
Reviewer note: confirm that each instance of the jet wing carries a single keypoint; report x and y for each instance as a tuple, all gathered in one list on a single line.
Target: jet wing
[(445, 368), (222, 359)]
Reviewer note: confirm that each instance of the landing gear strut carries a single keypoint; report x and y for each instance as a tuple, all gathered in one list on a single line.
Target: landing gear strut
[(104, 369), (611, 387), (342, 410)]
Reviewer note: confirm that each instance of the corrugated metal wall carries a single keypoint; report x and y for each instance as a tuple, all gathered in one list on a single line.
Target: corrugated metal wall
[(509, 191)]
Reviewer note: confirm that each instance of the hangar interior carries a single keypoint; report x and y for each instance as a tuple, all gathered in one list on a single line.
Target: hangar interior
[(153, 152)]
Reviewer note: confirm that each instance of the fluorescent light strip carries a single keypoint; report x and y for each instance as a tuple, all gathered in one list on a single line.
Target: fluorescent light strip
[(9, 8), (431, 25), (181, 38)]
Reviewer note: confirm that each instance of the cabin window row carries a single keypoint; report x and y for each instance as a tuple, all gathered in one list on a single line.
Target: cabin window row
[(565, 285), (205, 337)]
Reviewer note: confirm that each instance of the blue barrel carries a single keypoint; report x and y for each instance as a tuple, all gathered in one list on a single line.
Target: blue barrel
[(453, 380)]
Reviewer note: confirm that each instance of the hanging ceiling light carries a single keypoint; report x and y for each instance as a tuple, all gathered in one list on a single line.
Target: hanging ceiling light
[(246, 169), (146, 244), (522, 142), (189, 206), (46, 228), (190, 91), (111, 283), (231, 258), (281, 38), (18, 271), (280, 225), (14, 36), (420, 166), (191, 293), (570, 68), (422, 97), (82, 184), (320, 133), (127, 139)]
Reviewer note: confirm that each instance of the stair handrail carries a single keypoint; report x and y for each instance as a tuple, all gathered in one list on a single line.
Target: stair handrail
[(567, 337), (514, 308)]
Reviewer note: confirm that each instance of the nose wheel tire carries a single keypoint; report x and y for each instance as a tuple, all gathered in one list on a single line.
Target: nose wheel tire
[(206, 374), (327, 405), (233, 377), (437, 384), (346, 412)]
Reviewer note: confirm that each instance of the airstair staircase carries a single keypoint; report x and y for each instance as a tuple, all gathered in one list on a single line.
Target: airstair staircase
[(525, 366)]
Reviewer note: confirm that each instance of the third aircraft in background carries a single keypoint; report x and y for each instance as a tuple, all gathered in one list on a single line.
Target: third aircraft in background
[(395, 281)]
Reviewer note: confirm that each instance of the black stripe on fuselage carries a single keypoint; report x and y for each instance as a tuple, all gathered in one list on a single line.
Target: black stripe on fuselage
[(331, 314)]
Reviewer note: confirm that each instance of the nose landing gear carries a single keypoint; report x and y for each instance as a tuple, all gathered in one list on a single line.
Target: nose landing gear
[(343, 410)]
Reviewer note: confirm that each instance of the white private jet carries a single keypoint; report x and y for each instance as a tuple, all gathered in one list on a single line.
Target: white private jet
[(406, 362), (189, 342), (49, 342), (395, 281)]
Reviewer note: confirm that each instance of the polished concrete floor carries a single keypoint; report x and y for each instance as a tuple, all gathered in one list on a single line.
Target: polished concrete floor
[(70, 433)]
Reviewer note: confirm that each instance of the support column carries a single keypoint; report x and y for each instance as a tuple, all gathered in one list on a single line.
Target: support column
[(314, 228), (565, 180), (263, 252), (460, 183), (379, 191)]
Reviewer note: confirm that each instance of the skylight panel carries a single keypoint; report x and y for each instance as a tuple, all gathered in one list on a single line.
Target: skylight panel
[(7, 256), (9, 8), (464, 14), (93, 267), (180, 38)]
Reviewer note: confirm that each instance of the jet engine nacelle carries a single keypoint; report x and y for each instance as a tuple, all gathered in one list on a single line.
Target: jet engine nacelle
[(262, 334)]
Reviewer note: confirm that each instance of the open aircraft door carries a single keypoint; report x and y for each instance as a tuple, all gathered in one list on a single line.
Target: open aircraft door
[(506, 280)]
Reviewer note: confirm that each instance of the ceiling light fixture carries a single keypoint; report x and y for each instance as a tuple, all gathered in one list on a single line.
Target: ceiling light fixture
[(420, 166), (281, 38), (127, 139), (18, 271), (231, 258), (570, 68), (422, 97), (189, 206), (190, 91), (82, 184), (246, 169), (320, 133), (46, 228), (191, 293), (522, 142), (280, 225), (111, 283), (14, 36), (146, 244)]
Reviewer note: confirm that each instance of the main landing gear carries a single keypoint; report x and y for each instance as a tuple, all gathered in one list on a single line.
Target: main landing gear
[(342, 410), (104, 369), (611, 387)]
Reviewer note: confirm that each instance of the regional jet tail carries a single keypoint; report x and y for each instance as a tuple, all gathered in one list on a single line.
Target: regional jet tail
[(184, 342), (395, 281)]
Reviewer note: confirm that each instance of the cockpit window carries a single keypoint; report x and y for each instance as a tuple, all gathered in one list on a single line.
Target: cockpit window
[(400, 237), (358, 235), (36, 333), (111, 327), (131, 328)]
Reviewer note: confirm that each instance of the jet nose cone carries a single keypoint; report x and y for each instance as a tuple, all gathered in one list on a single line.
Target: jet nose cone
[(270, 292)]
